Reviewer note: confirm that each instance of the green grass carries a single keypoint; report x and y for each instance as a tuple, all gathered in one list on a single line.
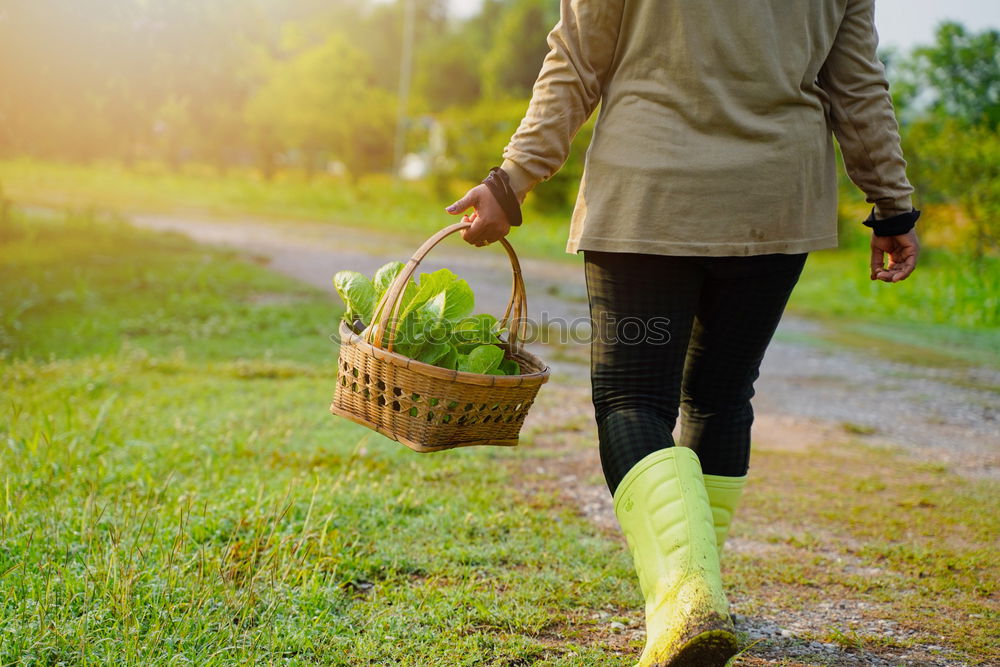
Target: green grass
[(173, 489), (947, 311), (73, 289), (946, 289)]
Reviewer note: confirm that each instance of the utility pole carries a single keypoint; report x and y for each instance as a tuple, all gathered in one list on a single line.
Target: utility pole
[(405, 74)]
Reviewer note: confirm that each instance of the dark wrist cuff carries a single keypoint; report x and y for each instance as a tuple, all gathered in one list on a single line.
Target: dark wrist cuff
[(894, 226), (499, 184)]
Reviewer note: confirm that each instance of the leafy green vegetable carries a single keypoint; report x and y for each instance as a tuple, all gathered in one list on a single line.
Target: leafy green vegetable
[(474, 331), (482, 359), (451, 303), (384, 277), (435, 325), (450, 359), (358, 294), (478, 328), (433, 352), (457, 302), (509, 367)]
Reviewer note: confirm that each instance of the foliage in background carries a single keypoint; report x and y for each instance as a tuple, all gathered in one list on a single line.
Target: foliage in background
[(235, 82), (321, 102), (948, 94), (958, 76), (313, 87), (510, 67), (958, 162), (477, 136)]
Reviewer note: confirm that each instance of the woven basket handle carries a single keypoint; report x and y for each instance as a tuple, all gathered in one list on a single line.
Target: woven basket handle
[(387, 311)]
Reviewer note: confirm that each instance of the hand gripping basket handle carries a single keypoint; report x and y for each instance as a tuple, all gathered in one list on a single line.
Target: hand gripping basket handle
[(387, 311)]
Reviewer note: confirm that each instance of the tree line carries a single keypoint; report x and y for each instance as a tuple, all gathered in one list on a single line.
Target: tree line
[(313, 83), (232, 82), (948, 97)]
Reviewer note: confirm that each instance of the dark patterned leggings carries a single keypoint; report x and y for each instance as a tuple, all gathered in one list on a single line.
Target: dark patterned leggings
[(681, 332)]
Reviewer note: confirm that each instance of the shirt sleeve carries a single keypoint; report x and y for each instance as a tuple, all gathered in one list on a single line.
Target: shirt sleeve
[(568, 88), (862, 114)]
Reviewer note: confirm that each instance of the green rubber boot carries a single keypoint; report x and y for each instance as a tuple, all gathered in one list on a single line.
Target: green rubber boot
[(723, 496), (663, 510)]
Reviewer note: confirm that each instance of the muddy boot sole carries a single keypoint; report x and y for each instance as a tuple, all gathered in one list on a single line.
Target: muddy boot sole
[(712, 648)]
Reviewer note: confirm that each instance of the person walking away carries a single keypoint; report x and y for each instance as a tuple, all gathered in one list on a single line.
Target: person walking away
[(709, 178)]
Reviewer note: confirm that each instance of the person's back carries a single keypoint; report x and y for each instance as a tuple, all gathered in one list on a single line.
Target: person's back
[(739, 69), (714, 135)]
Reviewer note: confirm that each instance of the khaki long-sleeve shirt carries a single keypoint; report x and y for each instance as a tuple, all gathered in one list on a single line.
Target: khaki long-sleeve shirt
[(714, 134)]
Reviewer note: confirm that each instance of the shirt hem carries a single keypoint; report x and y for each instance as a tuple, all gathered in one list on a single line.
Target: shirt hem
[(702, 249)]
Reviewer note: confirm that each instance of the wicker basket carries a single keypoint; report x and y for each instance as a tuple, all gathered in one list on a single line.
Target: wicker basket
[(429, 408)]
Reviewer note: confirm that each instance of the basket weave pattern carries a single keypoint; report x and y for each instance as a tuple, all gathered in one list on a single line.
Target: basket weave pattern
[(429, 408)]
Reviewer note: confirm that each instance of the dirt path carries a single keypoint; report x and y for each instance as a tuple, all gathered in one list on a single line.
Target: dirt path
[(808, 395), (781, 632)]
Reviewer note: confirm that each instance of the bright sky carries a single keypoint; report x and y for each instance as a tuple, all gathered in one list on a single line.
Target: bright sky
[(900, 23)]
